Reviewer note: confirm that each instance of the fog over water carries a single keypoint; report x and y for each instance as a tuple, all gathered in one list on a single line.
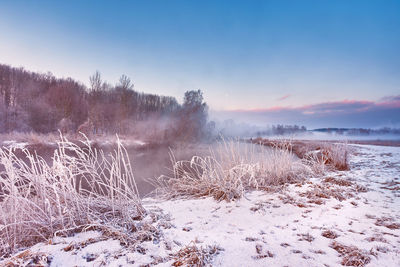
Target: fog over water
[(313, 135)]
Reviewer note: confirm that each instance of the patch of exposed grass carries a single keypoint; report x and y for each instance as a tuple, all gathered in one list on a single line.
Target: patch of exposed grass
[(387, 222), (351, 255), (336, 181), (319, 192), (329, 234), (191, 255), (306, 237)]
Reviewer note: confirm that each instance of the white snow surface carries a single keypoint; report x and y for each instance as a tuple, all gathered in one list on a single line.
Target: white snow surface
[(14, 144), (265, 228)]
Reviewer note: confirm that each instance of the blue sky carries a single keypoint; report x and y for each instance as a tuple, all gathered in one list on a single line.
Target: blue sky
[(247, 56)]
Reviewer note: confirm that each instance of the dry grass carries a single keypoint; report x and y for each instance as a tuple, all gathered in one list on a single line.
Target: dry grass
[(191, 255), (387, 222), (231, 169), (334, 156), (319, 155), (321, 192), (351, 256), (82, 189), (329, 234), (337, 181), (28, 258), (306, 237)]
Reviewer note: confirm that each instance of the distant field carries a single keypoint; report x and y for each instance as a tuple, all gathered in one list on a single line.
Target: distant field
[(377, 142)]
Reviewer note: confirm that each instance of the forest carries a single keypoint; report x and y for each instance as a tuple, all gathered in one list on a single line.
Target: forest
[(42, 103)]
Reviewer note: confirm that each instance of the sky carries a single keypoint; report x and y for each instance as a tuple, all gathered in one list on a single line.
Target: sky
[(313, 63)]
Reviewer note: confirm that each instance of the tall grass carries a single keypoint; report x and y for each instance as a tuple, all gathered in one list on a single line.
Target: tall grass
[(323, 156), (320, 155), (81, 188), (230, 170)]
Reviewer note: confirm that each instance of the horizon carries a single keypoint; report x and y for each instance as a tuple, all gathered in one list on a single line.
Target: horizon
[(309, 63)]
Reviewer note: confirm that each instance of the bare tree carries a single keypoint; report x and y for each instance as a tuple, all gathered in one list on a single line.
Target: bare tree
[(44, 103), (96, 83), (125, 83)]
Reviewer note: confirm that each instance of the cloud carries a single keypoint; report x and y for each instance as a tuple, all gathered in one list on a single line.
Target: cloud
[(284, 97), (345, 113), (390, 102), (337, 107)]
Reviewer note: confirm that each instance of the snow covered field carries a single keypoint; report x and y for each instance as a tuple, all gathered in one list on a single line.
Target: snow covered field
[(349, 217)]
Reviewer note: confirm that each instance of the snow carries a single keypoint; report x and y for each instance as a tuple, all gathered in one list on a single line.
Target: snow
[(14, 144), (133, 142), (126, 142), (138, 142), (266, 228)]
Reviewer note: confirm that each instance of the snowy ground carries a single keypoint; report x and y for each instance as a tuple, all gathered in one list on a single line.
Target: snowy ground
[(14, 144), (346, 217)]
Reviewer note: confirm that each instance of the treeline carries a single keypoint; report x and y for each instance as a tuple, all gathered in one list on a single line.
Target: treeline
[(281, 129), (230, 128), (42, 103), (359, 131)]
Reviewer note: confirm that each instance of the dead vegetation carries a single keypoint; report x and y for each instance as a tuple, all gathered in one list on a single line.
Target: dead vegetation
[(329, 234), (392, 185), (376, 238), (287, 199), (351, 255), (261, 253), (28, 258), (321, 252), (319, 155), (306, 237), (81, 189), (191, 255), (336, 181), (331, 187), (231, 170), (387, 222), (319, 193)]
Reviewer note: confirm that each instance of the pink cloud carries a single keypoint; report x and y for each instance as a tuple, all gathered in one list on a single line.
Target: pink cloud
[(345, 106), (390, 102), (284, 97), (344, 113)]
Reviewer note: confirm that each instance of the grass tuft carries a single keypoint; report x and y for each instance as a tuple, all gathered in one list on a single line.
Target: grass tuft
[(191, 255), (351, 256)]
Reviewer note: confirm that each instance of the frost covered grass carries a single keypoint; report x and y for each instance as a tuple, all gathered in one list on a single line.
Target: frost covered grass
[(320, 155), (327, 155), (351, 255), (344, 218), (81, 189), (192, 255), (230, 170)]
